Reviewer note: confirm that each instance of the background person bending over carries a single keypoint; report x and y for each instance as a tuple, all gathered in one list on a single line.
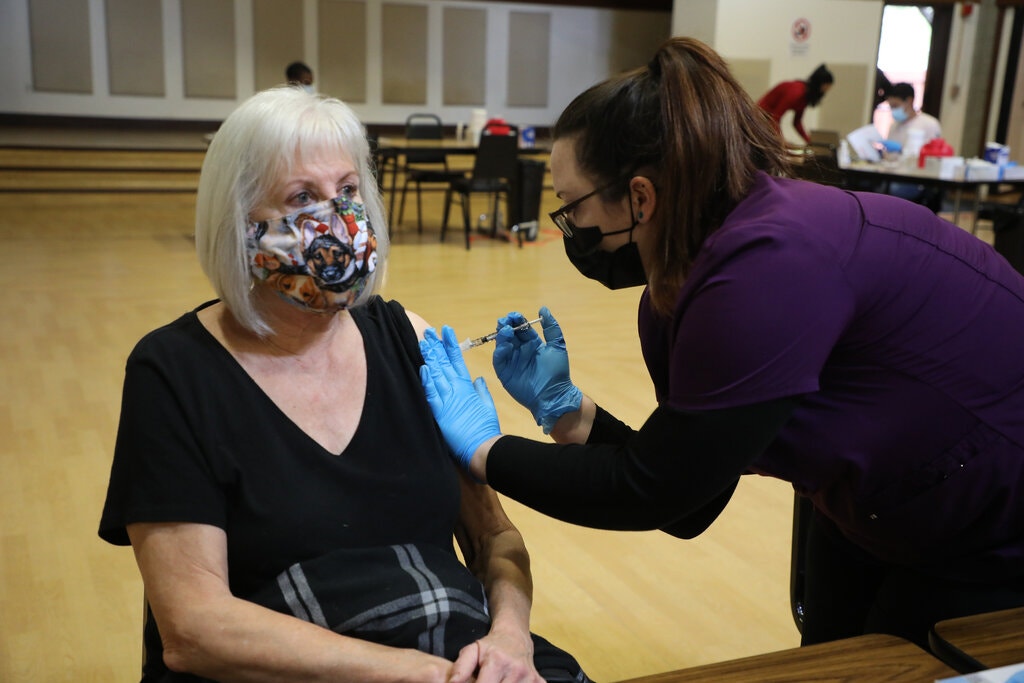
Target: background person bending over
[(853, 344), (284, 529), (796, 96)]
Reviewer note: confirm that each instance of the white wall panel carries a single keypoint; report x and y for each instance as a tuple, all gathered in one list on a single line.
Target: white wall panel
[(135, 47), (208, 48), (60, 44)]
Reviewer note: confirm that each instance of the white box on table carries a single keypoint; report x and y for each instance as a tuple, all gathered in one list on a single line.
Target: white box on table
[(978, 169), (947, 168), (1013, 172)]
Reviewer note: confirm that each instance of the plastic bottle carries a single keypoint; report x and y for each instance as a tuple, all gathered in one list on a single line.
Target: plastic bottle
[(843, 156)]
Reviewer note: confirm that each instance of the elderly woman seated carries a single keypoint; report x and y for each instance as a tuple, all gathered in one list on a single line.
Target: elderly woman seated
[(283, 527)]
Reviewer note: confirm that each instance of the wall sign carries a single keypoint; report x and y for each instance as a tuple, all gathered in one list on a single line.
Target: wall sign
[(799, 33), (801, 30)]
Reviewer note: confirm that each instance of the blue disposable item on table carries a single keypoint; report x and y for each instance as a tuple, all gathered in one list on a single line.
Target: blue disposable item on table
[(528, 136), (892, 146)]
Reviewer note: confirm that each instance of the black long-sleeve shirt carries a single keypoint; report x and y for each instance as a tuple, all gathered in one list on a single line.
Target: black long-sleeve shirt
[(676, 473)]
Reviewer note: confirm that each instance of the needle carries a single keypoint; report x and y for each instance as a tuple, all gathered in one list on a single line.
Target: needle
[(471, 343)]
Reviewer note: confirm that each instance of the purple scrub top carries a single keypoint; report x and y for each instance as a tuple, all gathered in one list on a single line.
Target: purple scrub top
[(904, 334)]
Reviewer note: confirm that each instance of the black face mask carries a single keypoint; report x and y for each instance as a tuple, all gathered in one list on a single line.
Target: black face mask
[(614, 269)]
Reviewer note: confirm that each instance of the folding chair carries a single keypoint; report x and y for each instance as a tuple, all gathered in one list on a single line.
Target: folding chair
[(495, 166), (424, 166)]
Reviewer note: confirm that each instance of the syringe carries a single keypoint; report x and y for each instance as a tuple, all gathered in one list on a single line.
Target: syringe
[(470, 343)]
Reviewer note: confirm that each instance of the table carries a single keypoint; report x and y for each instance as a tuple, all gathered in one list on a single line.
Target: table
[(868, 658), (929, 176), (981, 641), (389, 149)]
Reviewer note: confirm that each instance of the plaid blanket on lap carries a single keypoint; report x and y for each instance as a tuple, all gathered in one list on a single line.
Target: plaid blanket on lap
[(409, 596), (412, 596)]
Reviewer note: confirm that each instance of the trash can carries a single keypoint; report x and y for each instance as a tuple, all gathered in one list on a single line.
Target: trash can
[(524, 200)]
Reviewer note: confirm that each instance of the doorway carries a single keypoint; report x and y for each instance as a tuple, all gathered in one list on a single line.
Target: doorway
[(1010, 128), (904, 48)]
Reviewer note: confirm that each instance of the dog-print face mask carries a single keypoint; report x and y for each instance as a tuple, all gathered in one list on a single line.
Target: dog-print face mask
[(319, 257)]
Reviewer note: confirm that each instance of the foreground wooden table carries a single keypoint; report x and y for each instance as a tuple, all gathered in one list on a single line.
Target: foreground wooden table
[(871, 658), (981, 641)]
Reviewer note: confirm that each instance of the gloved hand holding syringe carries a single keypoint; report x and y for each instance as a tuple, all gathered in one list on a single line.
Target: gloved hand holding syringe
[(471, 343)]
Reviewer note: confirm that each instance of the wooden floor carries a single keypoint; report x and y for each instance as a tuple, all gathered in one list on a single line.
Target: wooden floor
[(88, 273)]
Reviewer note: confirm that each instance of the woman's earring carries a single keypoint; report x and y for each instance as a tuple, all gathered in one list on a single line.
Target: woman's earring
[(640, 216)]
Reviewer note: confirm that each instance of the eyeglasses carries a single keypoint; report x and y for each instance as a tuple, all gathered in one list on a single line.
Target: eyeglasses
[(560, 216)]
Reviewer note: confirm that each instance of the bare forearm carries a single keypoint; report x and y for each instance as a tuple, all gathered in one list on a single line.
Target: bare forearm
[(504, 569), (574, 427), (495, 553), (507, 580), (209, 632), (234, 640)]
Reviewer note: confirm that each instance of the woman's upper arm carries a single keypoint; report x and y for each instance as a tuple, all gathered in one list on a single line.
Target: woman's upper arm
[(183, 566), (418, 324), (481, 517)]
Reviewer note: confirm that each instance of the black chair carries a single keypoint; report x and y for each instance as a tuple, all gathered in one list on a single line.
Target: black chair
[(383, 161), (424, 166), (802, 509), (494, 169)]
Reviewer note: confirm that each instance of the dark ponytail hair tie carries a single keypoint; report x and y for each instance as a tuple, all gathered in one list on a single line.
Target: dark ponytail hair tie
[(654, 67)]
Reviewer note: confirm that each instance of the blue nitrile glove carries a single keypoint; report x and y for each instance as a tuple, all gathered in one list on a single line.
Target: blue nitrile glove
[(536, 374), (463, 409), (891, 146)]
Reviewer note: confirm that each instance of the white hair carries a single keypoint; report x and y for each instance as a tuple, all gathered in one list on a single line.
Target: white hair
[(254, 147)]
